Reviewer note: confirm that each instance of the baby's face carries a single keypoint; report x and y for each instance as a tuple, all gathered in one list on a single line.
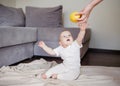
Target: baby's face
[(66, 38)]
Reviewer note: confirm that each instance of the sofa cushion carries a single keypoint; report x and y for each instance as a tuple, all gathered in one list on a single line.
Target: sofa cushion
[(52, 34), (17, 35), (44, 17), (13, 54), (49, 34), (10, 16)]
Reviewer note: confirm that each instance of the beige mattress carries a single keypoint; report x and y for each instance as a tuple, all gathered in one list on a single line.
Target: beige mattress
[(28, 74)]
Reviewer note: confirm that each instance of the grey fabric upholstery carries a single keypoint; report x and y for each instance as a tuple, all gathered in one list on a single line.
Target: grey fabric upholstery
[(11, 16), (16, 35), (16, 44), (49, 34), (16, 41), (44, 17), (14, 54)]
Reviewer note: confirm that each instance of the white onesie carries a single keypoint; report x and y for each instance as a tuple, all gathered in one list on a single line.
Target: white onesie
[(70, 68)]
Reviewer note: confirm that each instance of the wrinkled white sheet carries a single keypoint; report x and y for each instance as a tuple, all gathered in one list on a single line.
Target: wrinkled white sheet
[(28, 74)]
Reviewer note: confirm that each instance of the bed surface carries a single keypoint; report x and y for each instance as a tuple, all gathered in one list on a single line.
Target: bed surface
[(28, 74)]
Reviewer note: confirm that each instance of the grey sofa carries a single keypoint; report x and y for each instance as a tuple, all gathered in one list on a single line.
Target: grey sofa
[(16, 44), (20, 34)]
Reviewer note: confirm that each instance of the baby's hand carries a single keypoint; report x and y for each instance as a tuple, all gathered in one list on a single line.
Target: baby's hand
[(41, 44)]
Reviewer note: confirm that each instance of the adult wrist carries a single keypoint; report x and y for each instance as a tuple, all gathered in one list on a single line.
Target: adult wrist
[(89, 7)]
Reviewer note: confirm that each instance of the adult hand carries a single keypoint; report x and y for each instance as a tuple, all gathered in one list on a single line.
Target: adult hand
[(87, 10), (85, 15)]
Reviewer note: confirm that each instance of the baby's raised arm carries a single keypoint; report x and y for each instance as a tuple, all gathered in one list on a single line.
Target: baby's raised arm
[(81, 33), (46, 48)]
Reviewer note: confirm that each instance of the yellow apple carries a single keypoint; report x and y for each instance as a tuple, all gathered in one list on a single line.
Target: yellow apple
[(74, 17)]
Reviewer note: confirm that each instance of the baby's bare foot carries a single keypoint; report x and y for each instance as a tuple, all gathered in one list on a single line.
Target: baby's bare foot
[(44, 76), (54, 76)]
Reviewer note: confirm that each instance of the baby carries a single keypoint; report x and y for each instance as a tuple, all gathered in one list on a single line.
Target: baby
[(69, 51)]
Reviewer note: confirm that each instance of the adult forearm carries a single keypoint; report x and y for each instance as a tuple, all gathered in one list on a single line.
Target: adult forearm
[(93, 3)]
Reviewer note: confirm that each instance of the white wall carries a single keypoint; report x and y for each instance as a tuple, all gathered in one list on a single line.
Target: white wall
[(10, 3), (104, 19), (105, 24)]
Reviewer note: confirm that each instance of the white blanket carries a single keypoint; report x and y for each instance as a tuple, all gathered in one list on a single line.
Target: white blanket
[(28, 74)]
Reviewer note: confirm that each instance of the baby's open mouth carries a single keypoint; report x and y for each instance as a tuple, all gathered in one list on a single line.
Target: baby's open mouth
[(68, 39)]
